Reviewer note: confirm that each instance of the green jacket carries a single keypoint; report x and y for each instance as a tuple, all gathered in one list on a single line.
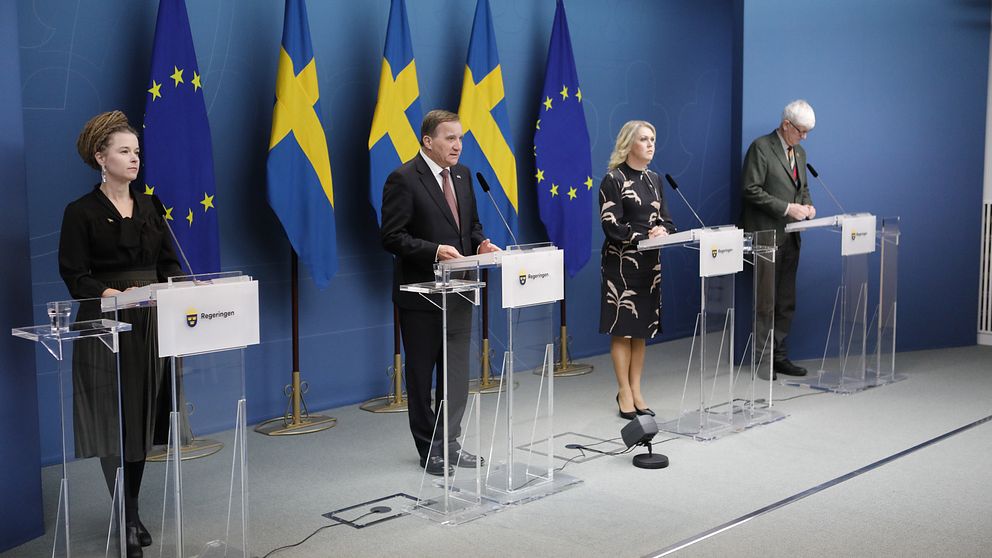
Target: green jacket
[(767, 186)]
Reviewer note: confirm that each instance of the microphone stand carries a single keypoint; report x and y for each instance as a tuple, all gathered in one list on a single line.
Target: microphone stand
[(816, 175), (675, 186)]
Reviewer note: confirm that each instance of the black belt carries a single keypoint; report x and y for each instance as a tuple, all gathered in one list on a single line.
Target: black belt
[(133, 275)]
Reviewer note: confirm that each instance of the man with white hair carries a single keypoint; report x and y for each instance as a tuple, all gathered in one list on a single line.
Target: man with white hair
[(776, 192)]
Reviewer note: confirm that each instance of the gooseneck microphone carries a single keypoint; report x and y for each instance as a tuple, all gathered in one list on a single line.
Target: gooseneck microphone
[(160, 209), (485, 188), (816, 175), (675, 186)]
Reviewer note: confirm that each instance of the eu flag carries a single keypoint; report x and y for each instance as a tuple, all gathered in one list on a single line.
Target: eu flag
[(486, 147), (561, 146), (179, 165), (299, 167), (396, 122)]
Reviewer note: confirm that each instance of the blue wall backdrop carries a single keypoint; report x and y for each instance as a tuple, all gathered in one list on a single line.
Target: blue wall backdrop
[(667, 62), (19, 451), (899, 89)]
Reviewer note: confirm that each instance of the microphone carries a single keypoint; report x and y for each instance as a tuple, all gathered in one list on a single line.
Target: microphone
[(160, 209), (816, 175), (485, 188), (671, 181)]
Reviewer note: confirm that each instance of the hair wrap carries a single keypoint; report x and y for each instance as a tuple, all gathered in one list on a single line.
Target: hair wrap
[(96, 135)]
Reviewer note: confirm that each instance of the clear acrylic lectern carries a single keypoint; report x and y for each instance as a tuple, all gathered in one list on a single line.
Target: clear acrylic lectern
[(718, 403), (84, 342), (204, 324), (859, 352)]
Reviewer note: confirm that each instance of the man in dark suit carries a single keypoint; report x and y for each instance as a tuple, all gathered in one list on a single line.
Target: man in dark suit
[(429, 215), (776, 192)]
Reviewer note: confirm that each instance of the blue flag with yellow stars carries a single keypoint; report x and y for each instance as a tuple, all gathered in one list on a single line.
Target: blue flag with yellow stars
[(564, 160), (299, 167), (178, 158), (486, 147), (396, 123)]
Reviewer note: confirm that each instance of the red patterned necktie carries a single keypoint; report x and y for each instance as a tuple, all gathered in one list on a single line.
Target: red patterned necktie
[(449, 195), (792, 163)]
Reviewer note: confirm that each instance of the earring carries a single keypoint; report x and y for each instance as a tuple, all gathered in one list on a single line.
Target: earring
[(103, 174)]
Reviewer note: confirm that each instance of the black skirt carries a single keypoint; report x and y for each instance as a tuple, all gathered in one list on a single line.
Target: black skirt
[(142, 409)]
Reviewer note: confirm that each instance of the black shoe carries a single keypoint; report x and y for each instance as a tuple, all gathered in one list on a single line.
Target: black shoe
[(144, 537), (647, 412), (788, 368), (434, 465), (133, 542), (466, 460), (625, 415)]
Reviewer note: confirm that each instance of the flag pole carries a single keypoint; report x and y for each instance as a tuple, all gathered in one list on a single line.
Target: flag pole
[(565, 367), (485, 383), (297, 419), (395, 402)]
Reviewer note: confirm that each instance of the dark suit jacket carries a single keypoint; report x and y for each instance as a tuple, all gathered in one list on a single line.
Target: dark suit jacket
[(768, 187), (416, 220)]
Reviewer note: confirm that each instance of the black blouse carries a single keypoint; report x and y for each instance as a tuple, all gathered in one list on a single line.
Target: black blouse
[(96, 241)]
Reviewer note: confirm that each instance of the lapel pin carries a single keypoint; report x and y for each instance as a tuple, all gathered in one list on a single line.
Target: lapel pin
[(109, 220), (458, 176)]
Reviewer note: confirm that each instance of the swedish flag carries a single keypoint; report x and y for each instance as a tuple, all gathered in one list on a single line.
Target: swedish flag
[(299, 167), (561, 146), (396, 122), (486, 147), (177, 153)]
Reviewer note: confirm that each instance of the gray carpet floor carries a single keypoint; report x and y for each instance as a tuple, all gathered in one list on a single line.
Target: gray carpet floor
[(933, 502)]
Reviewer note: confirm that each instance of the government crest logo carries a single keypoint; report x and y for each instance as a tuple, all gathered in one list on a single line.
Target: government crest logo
[(854, 234), (191, 315), (522, 277), (713, 252)]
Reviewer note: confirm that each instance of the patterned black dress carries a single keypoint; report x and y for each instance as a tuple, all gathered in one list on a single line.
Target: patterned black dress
[(630, 204)]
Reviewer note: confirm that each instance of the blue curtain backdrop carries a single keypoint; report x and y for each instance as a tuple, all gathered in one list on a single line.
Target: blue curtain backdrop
[(19, 450), (672, 62)]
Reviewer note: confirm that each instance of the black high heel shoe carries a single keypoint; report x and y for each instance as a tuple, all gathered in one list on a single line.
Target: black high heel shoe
[(144, 537), (623, 415), (647, 412), (132, 541)]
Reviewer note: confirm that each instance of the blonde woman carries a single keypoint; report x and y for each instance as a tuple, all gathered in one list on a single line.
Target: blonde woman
[(632, 209)]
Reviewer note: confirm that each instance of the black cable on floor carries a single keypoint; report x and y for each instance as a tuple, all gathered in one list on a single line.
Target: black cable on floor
[(308, 537)]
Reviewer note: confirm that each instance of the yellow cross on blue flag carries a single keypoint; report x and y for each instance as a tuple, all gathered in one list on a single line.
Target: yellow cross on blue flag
[(177, 153), (563, 157), (486, 147), (396, 122), (299, 167)]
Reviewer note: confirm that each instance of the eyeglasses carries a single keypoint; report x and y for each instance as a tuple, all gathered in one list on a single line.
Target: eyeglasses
[(802, 133)]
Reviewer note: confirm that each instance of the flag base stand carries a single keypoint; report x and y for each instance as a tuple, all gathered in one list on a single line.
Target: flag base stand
[(487, 384), (395, 402), (195, 449), (565, 367), (296, 422)]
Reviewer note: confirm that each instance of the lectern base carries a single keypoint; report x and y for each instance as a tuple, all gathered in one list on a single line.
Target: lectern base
[(835, 382), (710, 425), (307, 425), (526, 487), (700, 425), (459, 511)]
